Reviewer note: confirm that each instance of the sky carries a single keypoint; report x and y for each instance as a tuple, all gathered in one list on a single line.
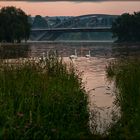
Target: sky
[(67, 8)]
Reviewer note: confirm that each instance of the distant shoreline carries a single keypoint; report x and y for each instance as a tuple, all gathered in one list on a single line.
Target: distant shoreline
[(67, 42), (56, 42), (74, 41)]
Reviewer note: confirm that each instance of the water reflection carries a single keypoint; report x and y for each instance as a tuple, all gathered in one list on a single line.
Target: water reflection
[(67, 49), (14, 51), (99, 90)]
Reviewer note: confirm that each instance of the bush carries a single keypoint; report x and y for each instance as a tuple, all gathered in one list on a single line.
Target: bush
[(42, 100), (126, 74), (127, 27)]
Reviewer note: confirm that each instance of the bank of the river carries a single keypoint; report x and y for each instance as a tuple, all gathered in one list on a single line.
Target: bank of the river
[(127, 42), (93, 74), (126, 75), (44, 100), (13, 44), (89, 42)]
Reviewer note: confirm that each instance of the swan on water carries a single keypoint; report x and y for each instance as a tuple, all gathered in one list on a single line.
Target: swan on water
[(74, 56), (43, 57), (88, 55)]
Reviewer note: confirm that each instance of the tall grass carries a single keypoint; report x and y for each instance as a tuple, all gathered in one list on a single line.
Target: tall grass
[(126, 74), (42, 100)]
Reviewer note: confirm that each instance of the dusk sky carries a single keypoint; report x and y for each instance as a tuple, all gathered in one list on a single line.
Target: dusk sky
[(66, 8)]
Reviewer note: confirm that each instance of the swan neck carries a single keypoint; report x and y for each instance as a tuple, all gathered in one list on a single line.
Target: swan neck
[(89, 52), (75, 53)]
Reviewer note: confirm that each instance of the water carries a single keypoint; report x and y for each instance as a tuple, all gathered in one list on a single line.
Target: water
[(100, 91)]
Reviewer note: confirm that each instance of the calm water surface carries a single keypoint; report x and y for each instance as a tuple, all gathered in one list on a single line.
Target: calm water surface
[(100, 91)]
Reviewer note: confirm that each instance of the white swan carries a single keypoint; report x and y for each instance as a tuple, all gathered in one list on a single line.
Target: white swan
[(43, 57), (88, 55), (74, 56), (47, 55)]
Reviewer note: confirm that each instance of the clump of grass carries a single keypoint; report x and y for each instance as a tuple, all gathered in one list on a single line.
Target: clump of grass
[(42, 100), (126, 74)]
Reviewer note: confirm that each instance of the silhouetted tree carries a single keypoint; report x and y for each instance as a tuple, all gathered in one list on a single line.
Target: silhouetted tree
[(14, 25), (137, 25), (39, 22), (127, 27)]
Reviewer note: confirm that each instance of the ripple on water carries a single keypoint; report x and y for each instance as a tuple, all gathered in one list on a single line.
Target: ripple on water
[(99, 90)]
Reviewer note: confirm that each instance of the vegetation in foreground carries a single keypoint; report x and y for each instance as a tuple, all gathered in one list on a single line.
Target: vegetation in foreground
[(126, 28), (42, 101), (126, 74), (46, 100)]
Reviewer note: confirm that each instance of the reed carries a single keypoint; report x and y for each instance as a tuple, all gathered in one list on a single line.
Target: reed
[(126, 75), (44, 100)]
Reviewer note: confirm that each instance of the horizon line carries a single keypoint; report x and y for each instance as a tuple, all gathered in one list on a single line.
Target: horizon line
[(81, 15)]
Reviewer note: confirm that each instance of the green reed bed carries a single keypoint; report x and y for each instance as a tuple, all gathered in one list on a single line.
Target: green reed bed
[(126, 74), (42, 100)]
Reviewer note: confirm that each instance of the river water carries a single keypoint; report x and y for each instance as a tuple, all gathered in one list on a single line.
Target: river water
[(100, 91)]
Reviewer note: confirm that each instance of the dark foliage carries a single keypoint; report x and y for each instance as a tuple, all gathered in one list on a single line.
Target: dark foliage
[(126, 75), (127, 27), (42, 100), (14, 25), (39, 22)]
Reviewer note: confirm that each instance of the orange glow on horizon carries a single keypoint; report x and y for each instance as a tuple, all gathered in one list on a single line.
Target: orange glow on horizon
[(74, 8)]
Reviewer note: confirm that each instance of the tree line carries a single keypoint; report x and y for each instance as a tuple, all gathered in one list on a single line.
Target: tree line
[(127, 27), (14, 25)]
